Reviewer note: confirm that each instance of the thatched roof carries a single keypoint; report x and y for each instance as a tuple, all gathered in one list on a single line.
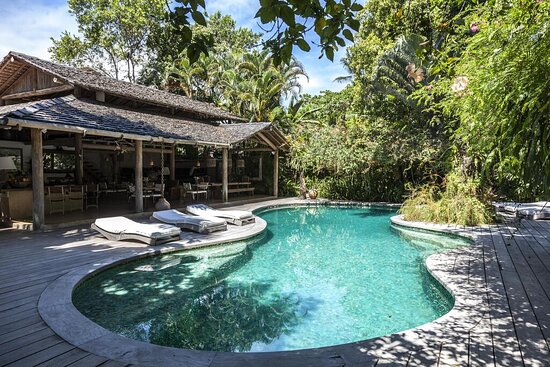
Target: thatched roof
[(91, 117), (15, 64)]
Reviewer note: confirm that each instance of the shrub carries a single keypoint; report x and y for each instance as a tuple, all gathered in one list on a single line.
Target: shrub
[(461, 202)]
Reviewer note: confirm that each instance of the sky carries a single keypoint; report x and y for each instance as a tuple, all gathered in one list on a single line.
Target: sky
[(28, 25)]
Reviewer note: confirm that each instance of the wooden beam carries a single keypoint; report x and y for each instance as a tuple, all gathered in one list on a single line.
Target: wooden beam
[(37, 179), (225, 175), (257, 150), (15, 76), (78, 159), (14, 121), (276, 174), (39, 92), (138, 144), (266, 140)]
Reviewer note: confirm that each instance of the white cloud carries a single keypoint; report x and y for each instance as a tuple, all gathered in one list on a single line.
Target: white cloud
[(27, 26)]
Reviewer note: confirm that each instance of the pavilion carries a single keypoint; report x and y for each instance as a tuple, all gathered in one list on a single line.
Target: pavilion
[(84, 126)]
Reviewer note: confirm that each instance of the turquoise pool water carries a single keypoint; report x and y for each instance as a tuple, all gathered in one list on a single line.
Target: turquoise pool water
[(319, 276)]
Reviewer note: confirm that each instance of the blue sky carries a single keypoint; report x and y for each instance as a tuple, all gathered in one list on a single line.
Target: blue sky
[(27, 26)]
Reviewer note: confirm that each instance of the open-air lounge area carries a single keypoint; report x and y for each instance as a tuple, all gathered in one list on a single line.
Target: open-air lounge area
[(81, 152)]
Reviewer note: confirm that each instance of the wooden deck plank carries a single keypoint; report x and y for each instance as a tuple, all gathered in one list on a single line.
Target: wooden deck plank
[(9, 316), (532, 322), (89, 361), (21, 294), (506, 347), (29, 349), (7, 337), (480, 341), (529, 335), (427, 357), (18, 302), (452, 355), (480, 345), (535, 242), (43, 356), (25, 340), (65, 359), (4, 329), (20, 316), (28, 281), (514, 271)]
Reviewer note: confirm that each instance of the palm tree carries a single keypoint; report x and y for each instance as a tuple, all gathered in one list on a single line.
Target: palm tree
[(257, 86)]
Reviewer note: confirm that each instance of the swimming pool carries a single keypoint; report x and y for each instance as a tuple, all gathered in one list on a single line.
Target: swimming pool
[(319, 276)]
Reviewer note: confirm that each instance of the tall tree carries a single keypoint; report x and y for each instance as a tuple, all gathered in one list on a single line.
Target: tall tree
[(200, 79), (114, 36)]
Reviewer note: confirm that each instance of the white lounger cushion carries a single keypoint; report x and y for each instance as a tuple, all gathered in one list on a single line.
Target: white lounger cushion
[(122, 225), (196, 223), (232, 216)]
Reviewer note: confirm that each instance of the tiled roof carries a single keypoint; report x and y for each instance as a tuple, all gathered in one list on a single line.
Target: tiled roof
[(72, 112), (89, 79)]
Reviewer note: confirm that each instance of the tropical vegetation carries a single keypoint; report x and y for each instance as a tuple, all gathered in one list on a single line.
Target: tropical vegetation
[(447, 102)]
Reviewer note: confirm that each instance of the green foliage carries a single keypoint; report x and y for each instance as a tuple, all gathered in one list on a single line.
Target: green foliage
[(333, 22), (288, 21), (504, 107), (460, 202), (115, 36), (257, 86), (364, 159), (247, 83)]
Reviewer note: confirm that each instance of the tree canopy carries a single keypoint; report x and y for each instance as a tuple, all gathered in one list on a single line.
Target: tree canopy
[(115, 36), (449, 94)]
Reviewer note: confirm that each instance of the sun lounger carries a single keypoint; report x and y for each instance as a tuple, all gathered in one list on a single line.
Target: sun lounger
[(539, 210), (195, 223), (121, 228), (237, 217), (514, 207)]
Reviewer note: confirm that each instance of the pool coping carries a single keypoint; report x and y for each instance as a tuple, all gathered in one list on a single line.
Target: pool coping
[(57, 310)]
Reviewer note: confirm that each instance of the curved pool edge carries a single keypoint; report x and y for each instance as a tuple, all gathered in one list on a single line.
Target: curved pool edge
[(56, 308)]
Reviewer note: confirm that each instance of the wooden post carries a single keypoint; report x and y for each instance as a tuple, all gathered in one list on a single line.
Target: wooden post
[(276, 174), (139, 175), (173, 163), (37, 179), (78, 159), (225, 178)]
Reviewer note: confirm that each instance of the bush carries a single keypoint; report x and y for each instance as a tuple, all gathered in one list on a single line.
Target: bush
[(461, 203)]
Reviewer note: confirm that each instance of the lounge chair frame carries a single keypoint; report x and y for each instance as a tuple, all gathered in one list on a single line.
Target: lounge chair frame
[(192, 226), (122, 236), (225, 215)]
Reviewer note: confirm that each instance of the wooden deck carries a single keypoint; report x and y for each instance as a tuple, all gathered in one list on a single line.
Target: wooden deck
[(512, 262)]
